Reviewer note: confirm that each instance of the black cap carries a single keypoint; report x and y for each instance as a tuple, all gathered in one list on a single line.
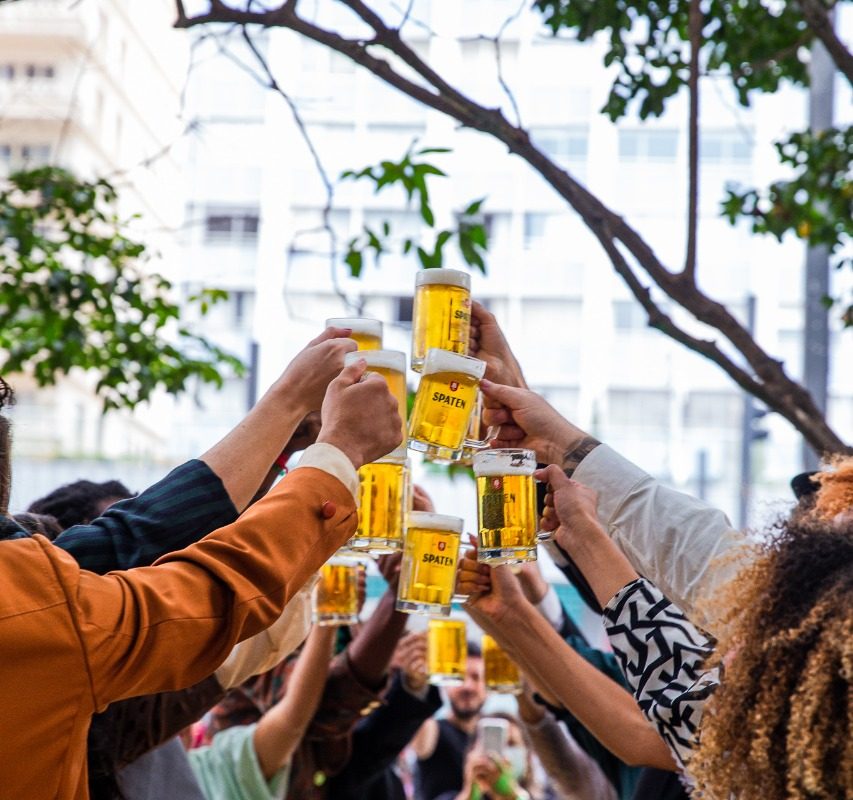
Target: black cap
[(804, 484)]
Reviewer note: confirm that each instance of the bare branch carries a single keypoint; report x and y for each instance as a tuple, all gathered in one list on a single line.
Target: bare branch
[(695, 33), (820, 19), (765, 376), (498, 59)]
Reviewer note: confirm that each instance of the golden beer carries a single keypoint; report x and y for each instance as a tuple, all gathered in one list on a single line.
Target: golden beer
[(336, 593), (391, 365), (441, 316), (428, 571), (447, 651), (366, 333), (472, 441), (383, 505), (446, 398), (506, 505), (501, 671)]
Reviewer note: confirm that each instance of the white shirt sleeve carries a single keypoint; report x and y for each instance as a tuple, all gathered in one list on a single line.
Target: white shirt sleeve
[(678, 542), (328, 458)]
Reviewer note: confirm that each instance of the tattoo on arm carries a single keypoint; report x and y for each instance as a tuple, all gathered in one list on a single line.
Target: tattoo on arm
[(573, 457)]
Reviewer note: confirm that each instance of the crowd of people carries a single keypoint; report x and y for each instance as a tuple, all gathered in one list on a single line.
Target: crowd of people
[(159, 646)]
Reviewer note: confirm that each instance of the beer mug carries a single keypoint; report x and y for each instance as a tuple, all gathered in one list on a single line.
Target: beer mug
[(336, 593), (447, 651), (501, 671), (442, 313), (444, 404), (367, 333), (384, 500), (391, 365), (506, 505), (428, 571), (472, 443)]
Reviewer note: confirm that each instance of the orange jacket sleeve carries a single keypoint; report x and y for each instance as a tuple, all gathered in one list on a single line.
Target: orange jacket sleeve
[(167, 626)]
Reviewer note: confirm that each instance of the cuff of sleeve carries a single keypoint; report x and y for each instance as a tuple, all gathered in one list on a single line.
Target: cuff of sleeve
[(551, 608), (612, 476), (328, 458), (418, 694), (623, 594)]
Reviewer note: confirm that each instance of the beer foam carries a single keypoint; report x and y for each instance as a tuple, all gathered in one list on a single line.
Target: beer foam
[(387, 359), (444, 361), (445, 277), (501, 470), (435, 522), (368, 327)]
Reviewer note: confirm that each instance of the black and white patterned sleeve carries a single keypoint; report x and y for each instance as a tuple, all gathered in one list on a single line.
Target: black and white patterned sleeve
[(662, 654)]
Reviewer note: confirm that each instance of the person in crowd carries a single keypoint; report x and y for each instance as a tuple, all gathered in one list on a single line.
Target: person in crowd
[(441, 744), (572, 773), (44, 524), (117, 635), (381, 736), (193, 500), (251, 762), (80, 502)]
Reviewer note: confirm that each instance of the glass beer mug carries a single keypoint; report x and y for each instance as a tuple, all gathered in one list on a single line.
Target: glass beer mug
[(428, 571), (501, 672), (444, 403), (447, 651), (391, 365), (506, 505), (335, 599), (367, 333), (441, 316), (384, 500)]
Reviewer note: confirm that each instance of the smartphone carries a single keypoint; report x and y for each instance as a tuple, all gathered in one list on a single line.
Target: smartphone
[(493, 733)]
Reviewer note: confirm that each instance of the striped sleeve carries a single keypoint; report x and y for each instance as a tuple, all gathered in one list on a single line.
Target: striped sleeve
[(662, 654), (186, 505)]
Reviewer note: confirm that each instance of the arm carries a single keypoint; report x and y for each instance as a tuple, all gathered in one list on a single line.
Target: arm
[(669, 537), (607, 710), (203, 495), (575, 774), (424, 741), (662, 656), (202, 600), (282, 727)]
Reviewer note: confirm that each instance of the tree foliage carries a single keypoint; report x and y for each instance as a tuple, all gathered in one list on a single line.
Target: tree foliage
[(74, 294), (412, 175), (757, 44)]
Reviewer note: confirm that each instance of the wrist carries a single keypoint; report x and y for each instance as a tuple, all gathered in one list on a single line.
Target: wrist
[(287, 393), (346, 445)]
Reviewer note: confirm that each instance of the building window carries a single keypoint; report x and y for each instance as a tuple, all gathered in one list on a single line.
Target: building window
[(404, 311), (639, 408), (7, 72), (231, 227), (648, 145), (709, 409), (725, 147), (563, 145), (35, 154), (46, 71)]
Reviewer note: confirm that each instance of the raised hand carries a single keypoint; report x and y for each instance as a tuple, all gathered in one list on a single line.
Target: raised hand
[(524, 419), (308, 376), (570, 508), (360, 415), (410, 658), (489, 344)]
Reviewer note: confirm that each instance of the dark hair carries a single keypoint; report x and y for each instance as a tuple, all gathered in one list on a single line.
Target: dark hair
[(474, 650), (39, 523), (77, 503)]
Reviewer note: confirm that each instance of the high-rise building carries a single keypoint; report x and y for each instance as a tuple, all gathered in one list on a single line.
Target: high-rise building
[(93, 87)]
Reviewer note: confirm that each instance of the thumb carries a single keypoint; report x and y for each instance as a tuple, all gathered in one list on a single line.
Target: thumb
[(508, 396), (350, 374), (330, 333), (554, 475)]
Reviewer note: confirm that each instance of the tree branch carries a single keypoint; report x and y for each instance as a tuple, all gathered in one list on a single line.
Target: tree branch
[(819, 19), (695, 33), (767, 380)]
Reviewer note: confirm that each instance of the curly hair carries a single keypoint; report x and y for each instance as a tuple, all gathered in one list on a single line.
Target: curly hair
[(835, 493), (781, 724), (77, 503)]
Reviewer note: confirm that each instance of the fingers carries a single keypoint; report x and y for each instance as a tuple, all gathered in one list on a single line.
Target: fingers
[(554, 476), (508, 396), (472, 577), (352, 374), (331, 333)]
